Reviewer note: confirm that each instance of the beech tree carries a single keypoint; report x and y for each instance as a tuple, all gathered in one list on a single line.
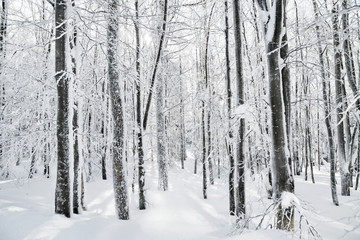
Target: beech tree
[(228, 101), (272, 15), (119, 176), (240, 159), (62, 192)]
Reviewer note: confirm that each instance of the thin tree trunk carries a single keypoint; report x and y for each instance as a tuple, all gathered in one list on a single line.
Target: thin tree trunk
[(203, 149), (208, 86), (157, 61), (240, 159), (76, 184), (230, 134), (161, 149), (327, 112), (182, 124), (344, 173), (3, 33), (286, 87), (141, 173)]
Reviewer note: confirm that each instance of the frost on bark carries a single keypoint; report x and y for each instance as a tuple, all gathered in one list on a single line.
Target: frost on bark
[(157, 62), (240, 158), (161, 150), (119, 176), (228, 100), (62, 192), (344, 171), (141, 175), (3, 30), (282, 181), (208, 87), (350, 71), (182, 124), (75, 123)]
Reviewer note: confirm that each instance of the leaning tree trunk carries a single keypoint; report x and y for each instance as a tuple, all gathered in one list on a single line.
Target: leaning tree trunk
[(240, 159), (62, 192), (282, 180), (119, 176), (157, 62)]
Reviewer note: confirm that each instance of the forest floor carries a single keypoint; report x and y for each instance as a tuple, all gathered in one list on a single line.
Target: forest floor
[(27, 211)]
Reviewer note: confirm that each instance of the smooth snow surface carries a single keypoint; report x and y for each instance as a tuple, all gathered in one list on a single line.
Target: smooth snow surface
[(27, 210)]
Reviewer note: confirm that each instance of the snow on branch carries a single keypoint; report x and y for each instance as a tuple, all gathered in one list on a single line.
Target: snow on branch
[(51, 2)]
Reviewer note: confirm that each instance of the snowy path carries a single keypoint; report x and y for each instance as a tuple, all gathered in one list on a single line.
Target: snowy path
[(26, 211)]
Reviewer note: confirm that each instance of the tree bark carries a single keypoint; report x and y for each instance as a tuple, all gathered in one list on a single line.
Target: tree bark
[(141, 174), (240, 159), (62, 192), (281, 176), (157, 61), (344, 172), (228, 101), (161, 149), (182, 124), (119, 176), (327, 111)]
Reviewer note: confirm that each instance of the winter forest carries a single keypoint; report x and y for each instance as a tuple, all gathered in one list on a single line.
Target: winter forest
[(179, 119)]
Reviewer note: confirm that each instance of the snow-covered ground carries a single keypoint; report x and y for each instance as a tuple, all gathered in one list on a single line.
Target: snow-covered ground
[(27, 211)]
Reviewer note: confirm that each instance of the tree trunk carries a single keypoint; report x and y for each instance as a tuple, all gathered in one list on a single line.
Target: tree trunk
[(119, 176), (182, 124), (141, 174), (161, 149), (62, 192), (3, 31), (208, 87), (157, 61), (203, 149), (240, 159), (327, 111), (344, 172), (281, 176), (230, 134)]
